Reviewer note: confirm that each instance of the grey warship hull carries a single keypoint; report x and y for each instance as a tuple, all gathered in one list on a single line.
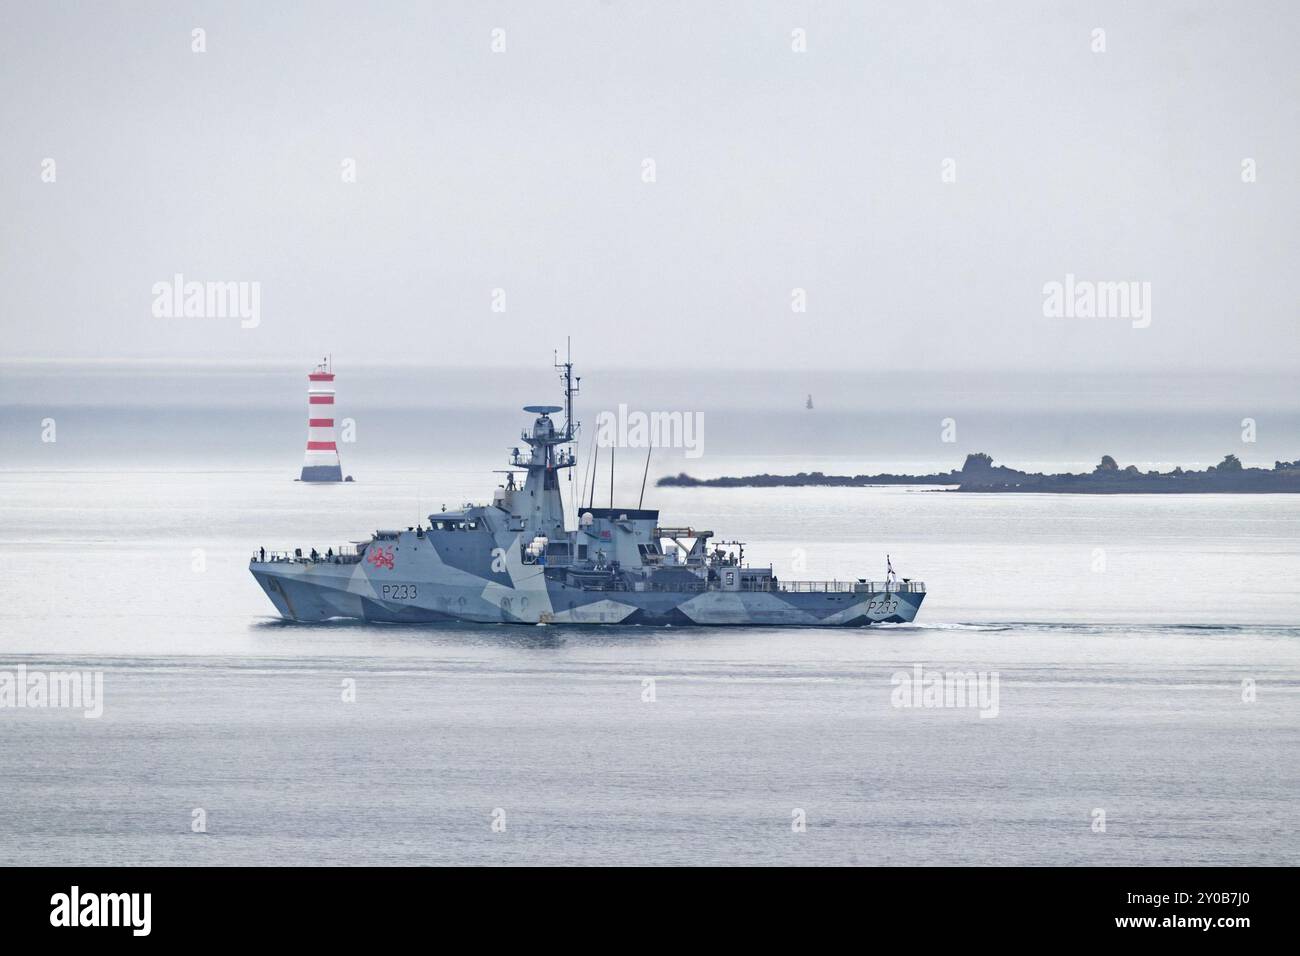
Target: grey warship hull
[(420, 588), (516, 561)]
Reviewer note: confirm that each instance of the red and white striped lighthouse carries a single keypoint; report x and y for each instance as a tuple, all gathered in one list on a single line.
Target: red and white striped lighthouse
[(321, 462)]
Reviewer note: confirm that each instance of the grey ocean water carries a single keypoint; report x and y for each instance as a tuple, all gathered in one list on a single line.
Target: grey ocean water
[(1122, 629)]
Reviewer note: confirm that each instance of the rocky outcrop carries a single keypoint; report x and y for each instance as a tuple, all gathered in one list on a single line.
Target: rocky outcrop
[(980, 474)]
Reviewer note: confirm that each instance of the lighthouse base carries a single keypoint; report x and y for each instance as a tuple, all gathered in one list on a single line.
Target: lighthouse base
[(322, 473)]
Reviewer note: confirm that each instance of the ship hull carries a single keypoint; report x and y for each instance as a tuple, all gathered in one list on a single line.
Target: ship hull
[(311, 592)]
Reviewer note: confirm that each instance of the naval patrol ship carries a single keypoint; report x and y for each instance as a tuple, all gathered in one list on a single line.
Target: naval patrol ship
[(515, 561)]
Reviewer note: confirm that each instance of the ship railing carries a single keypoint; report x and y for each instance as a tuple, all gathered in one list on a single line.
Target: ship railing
[(848, 587), (649, 588), (339, 556), (864, 587)]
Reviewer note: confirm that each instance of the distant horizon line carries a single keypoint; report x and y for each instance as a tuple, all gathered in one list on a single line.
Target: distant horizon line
[(1162, 370)]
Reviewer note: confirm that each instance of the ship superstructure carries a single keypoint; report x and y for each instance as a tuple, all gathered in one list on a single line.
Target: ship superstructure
[(515, 561)]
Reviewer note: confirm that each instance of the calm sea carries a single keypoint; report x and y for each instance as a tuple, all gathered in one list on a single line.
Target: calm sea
[(1146, 649)]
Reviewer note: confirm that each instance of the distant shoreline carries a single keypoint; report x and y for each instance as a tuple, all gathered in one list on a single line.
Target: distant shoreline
[(979, 474)]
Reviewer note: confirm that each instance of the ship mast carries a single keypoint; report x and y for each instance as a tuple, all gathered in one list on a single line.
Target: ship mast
[(544, 514), (571, 427), (571, 386)]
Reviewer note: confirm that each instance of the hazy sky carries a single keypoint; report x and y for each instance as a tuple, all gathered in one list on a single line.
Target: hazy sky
[(523, 170)]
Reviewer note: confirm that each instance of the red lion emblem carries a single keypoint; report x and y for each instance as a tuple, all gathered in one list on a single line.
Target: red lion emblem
[(380, 557)]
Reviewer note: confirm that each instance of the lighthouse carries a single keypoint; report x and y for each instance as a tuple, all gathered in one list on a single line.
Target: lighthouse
[(321, 462)]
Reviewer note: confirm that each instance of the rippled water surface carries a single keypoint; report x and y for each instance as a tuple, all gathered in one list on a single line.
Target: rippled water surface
[(1121, 631)]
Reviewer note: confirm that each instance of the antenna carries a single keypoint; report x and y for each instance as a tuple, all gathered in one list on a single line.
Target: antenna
[(577, 499), (571, 386), (611, 476), (595, 460), (645, 474)]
